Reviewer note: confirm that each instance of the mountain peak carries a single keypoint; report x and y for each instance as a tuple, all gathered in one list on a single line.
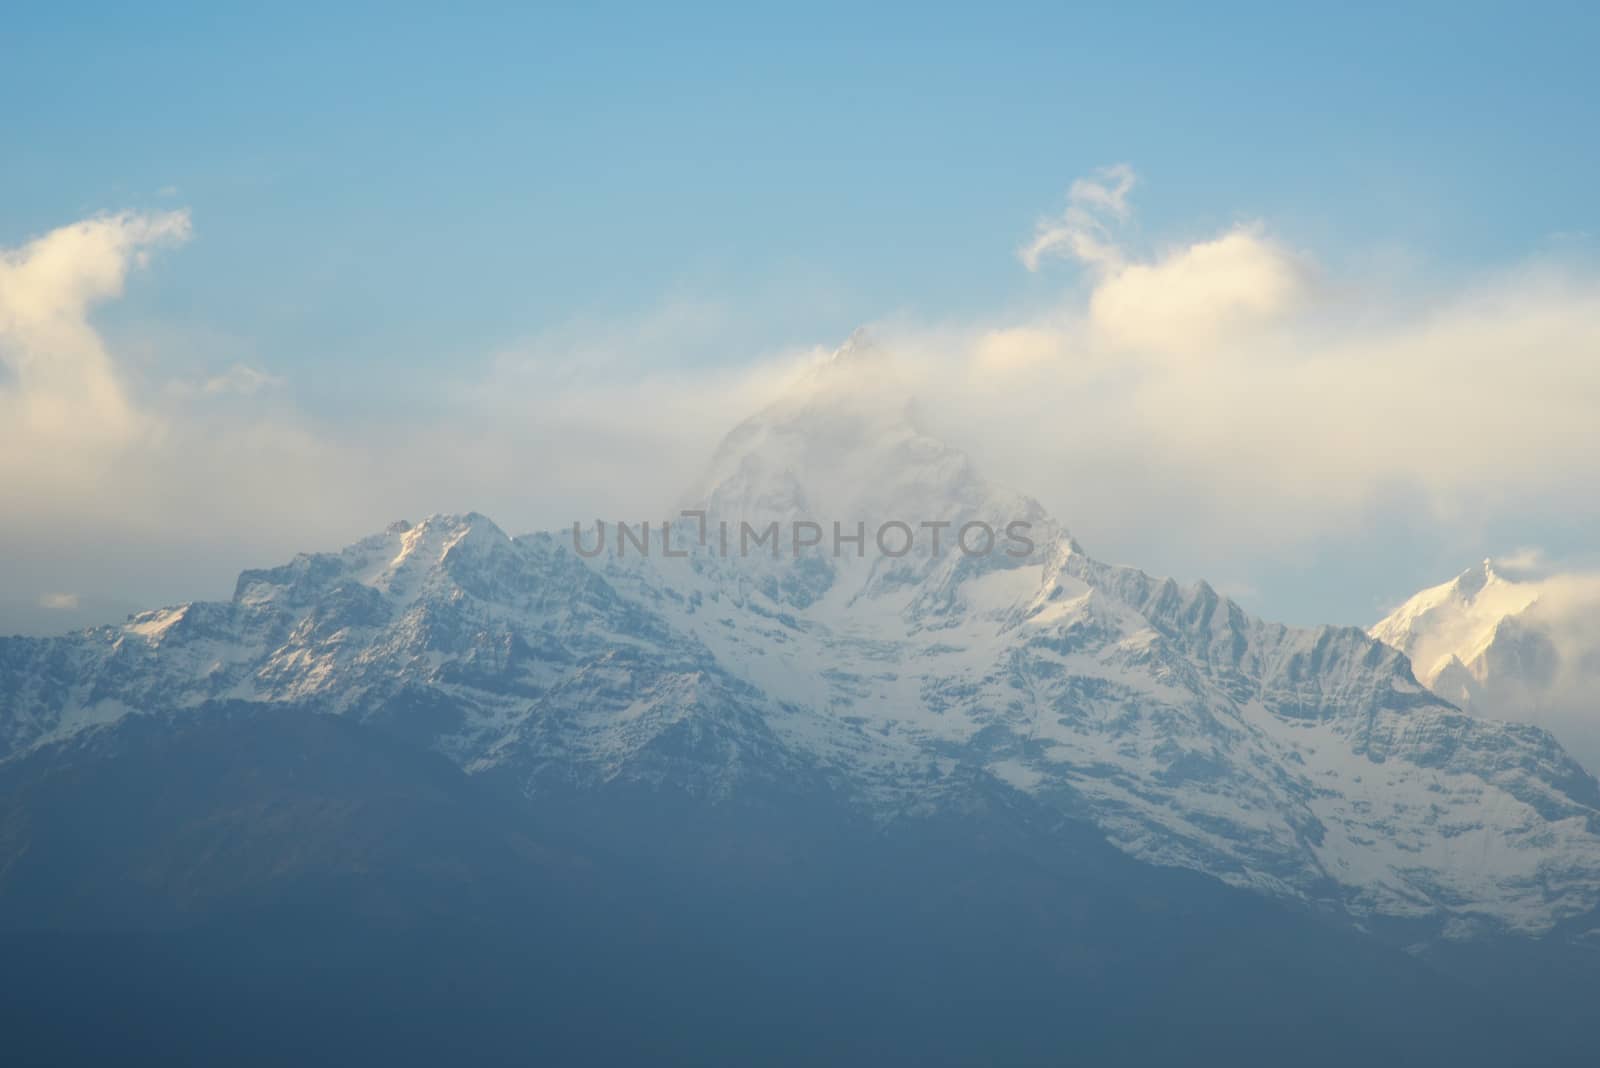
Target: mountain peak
[(1191, 735), (862, 376), (861, 345), (846, 444), (1472, 581), (1455, 621)]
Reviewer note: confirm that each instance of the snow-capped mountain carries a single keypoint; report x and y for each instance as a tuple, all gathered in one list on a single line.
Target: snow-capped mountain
[(1307, 764), (1500, 641)]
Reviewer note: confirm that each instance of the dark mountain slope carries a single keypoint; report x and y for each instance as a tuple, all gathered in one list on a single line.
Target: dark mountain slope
[(273, 886)]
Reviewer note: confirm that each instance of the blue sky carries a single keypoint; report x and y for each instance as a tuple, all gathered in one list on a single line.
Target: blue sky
[(519, 167), (384, 199)]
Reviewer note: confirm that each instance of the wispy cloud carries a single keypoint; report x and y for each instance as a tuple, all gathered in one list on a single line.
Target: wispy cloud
[(1083, 230), (238, 380)]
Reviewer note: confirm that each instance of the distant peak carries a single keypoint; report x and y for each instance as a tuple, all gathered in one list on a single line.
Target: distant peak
[(445, 531), (450, 521), (862, 367), (1472, 581), (862, 344)]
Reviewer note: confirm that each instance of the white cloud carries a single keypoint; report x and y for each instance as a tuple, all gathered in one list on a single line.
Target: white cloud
[(1006, 350), (1200, 294), (104, 468), (60, 602), (1527, 562), (1228, 399), (240, 379), (1199, 410), (1186, 298), (1081, 231), (53, 279), (64, 393)]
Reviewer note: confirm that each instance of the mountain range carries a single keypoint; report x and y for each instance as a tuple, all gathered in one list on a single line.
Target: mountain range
[(712, 708)]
